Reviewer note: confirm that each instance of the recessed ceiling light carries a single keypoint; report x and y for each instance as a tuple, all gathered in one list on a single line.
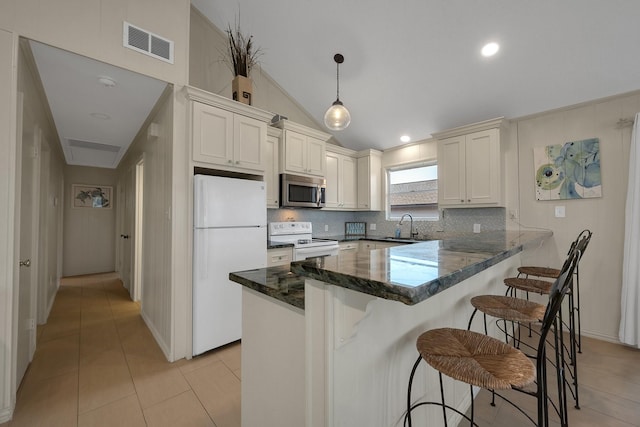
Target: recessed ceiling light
[(490, 49), (106, 81), (405, 138), (100, 116)]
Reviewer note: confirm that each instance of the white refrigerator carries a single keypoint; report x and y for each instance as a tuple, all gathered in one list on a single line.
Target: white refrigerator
[(230, 234)]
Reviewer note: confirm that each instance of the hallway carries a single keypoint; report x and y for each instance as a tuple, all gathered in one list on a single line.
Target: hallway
[(97, 364)]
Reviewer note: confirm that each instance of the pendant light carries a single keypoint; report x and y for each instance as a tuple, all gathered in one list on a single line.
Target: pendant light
[(337, 116)]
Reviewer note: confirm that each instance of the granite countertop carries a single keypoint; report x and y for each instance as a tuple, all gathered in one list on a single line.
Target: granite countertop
[(276, 245), (277, 282), (407, 273)]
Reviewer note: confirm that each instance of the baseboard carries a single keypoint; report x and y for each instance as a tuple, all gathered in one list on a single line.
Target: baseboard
[(163, 346), (601, 337), (6, 414)]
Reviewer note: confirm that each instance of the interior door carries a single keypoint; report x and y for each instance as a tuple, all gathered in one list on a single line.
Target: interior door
[(27, 273), (126, 235)]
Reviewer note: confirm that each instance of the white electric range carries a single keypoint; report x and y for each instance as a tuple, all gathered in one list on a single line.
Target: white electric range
[(300, 234)]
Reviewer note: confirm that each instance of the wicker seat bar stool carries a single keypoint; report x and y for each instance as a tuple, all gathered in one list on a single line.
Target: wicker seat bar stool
[(483, 361), (552, 273), (543, 287)]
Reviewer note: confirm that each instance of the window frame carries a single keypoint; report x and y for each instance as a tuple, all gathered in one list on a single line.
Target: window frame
[(387, 187)]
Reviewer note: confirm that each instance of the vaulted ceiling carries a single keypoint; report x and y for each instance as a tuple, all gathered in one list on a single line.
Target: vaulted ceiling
[(411, 66), (414, 66)]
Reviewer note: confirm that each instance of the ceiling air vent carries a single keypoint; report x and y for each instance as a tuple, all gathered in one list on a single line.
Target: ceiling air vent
[(148, 43), (93, 145)]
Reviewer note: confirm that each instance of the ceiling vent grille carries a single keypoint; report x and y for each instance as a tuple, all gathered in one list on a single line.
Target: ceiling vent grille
[(148, 43), (93, 145)]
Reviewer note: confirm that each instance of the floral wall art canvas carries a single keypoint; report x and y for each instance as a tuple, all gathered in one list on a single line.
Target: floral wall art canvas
[(568, 171), (91, 196)]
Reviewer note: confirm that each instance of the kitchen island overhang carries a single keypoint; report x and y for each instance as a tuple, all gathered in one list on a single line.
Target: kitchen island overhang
[(357, 341)]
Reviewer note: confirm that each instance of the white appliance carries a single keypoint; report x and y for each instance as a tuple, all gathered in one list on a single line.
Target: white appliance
[(301, 235), (230, 234)]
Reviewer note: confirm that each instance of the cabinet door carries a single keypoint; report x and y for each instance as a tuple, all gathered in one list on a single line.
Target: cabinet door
[(369, 171), (451, 171), (279, 256), (349, 183), (483, 167), (271, 175), (332, 193), (295, 152), (316, 161), (249, 143), (212, 135)]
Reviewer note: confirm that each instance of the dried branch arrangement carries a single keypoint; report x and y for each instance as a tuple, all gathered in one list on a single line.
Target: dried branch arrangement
[(242, 54)]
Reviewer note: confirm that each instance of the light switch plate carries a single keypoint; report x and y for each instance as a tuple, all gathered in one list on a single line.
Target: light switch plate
[(372, 227), (560, 212), (476, 228)]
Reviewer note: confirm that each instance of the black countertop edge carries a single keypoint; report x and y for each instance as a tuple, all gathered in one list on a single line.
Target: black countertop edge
[(278, 245)]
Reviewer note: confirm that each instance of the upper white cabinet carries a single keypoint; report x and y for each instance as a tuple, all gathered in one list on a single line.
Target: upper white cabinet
[(341, 176), (227, 134), (369, 180), (271, 175), (470, 165), (302, 150)]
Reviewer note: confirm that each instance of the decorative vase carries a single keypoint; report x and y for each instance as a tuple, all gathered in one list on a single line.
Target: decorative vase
[(242, 89)]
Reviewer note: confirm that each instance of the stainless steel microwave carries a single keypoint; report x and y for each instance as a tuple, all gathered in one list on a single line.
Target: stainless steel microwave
[(302, 191)]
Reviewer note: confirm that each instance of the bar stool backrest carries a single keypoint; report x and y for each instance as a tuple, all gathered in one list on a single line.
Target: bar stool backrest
[(559, 289)]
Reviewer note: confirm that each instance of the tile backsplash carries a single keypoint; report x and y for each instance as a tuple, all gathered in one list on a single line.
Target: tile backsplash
[(451, 220)]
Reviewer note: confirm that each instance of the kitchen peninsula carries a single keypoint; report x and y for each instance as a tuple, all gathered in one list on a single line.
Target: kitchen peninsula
[(331, 342)]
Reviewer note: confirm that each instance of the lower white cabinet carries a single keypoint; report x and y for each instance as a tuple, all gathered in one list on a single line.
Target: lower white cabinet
[(349, 246), (279, 256)]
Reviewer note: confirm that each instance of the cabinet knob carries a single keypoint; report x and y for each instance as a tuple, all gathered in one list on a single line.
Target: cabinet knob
[(461, 201), (25, 263), (237, 162), (469, 200), (230, 161)]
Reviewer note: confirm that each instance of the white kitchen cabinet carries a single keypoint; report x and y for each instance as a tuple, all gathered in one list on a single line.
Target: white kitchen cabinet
[(369, 245), (224, 138), (302, 150), (279, 256), (369, 180), (227, 134), (341, 176), (271, 175), (470, 166), (352, 246)]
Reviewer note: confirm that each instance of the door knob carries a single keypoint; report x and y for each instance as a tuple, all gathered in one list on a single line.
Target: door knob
[(25, 263), (124, 236)]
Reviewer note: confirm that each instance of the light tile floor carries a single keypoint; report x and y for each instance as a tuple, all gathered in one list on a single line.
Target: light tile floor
[(97, 364)]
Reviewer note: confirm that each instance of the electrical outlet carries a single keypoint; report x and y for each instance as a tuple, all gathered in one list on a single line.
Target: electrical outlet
[(476, 228), (372, 227), (326, 227), (31, 324)]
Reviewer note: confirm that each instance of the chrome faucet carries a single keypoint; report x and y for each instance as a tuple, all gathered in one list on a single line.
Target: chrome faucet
[(412, 234)]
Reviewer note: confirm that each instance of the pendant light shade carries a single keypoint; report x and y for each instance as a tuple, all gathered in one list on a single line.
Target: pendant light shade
[(337, 116)]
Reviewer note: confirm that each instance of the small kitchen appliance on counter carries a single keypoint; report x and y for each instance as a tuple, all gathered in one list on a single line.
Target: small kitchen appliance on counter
[(300, 234)]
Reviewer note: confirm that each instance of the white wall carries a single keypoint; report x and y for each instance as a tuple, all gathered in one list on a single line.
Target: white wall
[(601, 267), (89, 245), (93, 29)]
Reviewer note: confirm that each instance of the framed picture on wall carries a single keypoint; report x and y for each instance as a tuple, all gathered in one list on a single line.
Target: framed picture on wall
[(91, 196)]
